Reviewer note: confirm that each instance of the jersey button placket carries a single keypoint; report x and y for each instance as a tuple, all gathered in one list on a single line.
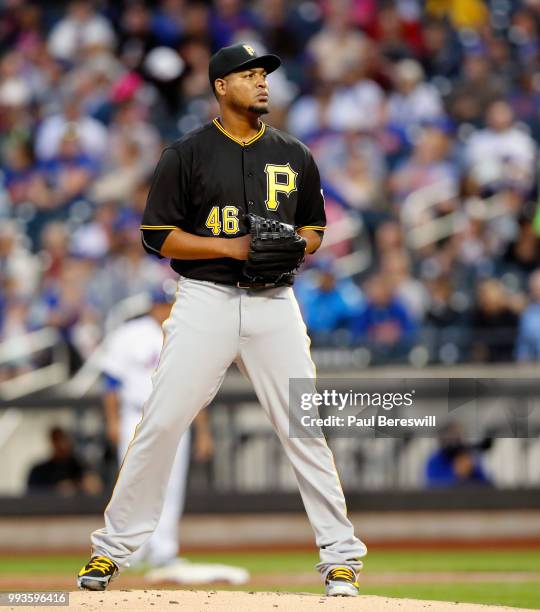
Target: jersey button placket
[(248, 174)]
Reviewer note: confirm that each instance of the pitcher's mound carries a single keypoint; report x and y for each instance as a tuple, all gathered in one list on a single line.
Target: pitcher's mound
[(225, 601)]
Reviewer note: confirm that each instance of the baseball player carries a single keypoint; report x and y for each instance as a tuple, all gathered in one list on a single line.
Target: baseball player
[(234, 304)]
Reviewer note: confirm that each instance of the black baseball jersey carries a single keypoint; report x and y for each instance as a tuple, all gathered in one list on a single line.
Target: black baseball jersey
[(206, 182)]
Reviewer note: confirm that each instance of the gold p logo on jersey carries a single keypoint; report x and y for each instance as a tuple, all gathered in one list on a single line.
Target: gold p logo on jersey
[(249, 49), (279, 179)]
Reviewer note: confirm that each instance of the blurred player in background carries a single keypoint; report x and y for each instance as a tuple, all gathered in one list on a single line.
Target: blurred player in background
[(63, 472), (132, 355)]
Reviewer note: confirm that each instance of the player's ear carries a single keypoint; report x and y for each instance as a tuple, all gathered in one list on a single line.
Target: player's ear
[(220, 86)]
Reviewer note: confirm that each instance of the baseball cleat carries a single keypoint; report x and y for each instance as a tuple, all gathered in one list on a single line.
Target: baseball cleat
[(96, 574), (341, 582)]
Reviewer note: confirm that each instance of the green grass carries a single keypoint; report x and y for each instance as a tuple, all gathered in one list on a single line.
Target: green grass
[(518, 594), (390, 561), (40, 564), (376, 561)]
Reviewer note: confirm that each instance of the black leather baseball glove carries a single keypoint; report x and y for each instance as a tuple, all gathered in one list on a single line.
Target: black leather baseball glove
[(276, 251)]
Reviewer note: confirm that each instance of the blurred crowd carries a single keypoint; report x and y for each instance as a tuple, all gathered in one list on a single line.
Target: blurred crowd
[(424, 118)]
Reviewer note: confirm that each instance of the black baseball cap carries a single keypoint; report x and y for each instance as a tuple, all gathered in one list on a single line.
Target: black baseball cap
[(239, 57)]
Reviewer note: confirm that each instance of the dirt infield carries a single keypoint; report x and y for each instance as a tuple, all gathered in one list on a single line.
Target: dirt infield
[(225, 601)]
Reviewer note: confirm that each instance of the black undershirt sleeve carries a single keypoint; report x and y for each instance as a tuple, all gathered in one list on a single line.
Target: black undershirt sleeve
[(152, 241)]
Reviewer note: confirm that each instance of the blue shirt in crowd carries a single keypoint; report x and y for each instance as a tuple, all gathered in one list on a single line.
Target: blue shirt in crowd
[(376, 323)]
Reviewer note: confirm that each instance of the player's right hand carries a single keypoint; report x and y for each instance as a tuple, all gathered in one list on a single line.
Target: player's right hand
[(237, 248)]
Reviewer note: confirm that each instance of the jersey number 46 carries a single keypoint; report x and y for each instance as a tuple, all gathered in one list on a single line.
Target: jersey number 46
[(223, 220)]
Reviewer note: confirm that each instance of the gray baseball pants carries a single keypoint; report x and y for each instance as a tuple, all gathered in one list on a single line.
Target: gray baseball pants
[(210, 327)]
